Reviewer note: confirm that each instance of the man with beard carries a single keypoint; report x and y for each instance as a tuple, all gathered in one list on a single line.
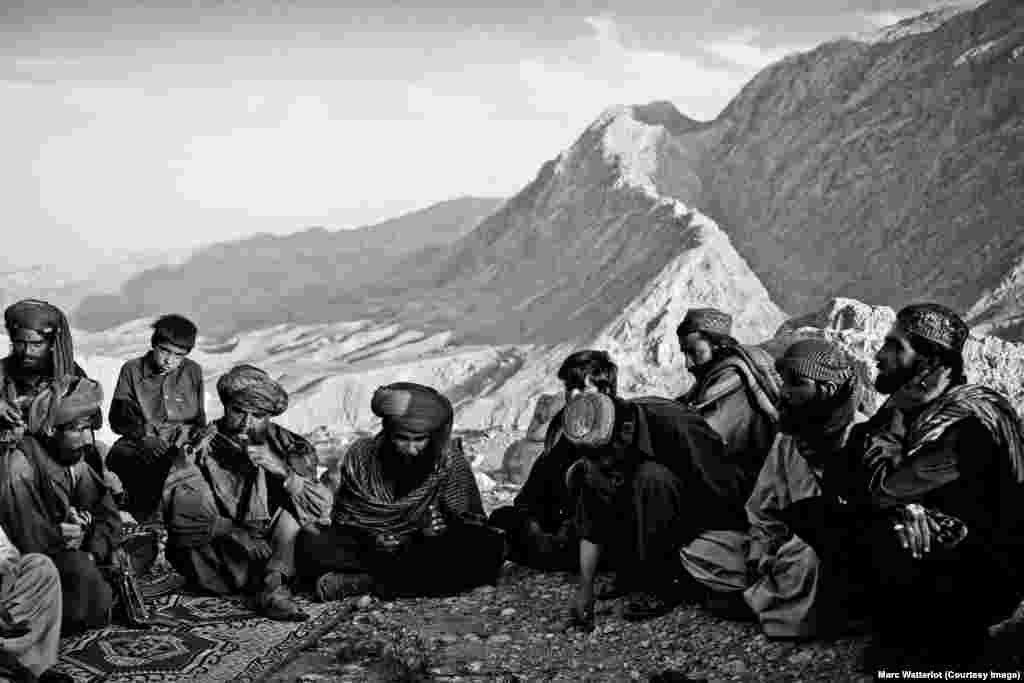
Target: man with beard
[(539, 524), (736, 388), (52, 502), (408, 519), (934, 520), (41, 351), (238, 495), (651, 477), (775, 573), (157, 406)]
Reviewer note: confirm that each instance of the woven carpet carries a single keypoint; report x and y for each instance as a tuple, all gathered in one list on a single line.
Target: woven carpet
[(201, 638)]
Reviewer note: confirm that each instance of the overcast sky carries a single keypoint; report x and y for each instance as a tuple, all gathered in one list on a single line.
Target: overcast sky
[(136, 125)]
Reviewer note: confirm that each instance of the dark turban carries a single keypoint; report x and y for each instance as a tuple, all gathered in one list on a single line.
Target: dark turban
[(412, 407), (83, 399), (706, 320), (816, 359), (48, 320), (249, 388), (65, 400), (589, 420), (935, 323)]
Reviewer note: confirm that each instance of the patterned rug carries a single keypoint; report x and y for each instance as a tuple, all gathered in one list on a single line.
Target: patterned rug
[(209, 639)]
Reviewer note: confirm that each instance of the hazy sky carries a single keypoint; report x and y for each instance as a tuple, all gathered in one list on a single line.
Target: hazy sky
[(134, 125)]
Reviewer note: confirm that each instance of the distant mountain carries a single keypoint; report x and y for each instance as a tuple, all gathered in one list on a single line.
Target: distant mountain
[(888, 169), (266, 279), (69, 284), (600, 228)]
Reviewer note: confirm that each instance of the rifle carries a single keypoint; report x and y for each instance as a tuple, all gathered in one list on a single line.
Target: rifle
[(124, 580)]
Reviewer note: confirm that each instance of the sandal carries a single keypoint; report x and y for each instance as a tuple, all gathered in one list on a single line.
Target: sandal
[(338, 585)]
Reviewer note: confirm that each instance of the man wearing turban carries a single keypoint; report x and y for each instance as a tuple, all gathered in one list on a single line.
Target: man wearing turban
[(157, 405), (239, 493), (52, 502), (41, 353), (736, 388), (407, 503), (933, 523), (767, 569), (650, 477)]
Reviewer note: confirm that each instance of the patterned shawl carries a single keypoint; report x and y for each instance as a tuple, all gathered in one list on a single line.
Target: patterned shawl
[(965, 401), (365, 499), (755, 370)]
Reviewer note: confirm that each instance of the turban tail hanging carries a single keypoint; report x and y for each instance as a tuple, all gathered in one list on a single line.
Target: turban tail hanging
[(48, 320)]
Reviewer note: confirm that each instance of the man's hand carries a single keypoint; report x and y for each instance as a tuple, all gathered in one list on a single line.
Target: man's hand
[(924, 388), (155, 447), (261, 456), (256, 548), (10, 415), (10, 628), (916, 530), (73, 535)]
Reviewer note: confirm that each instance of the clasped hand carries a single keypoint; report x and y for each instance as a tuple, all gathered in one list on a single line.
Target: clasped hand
[(915, 530)]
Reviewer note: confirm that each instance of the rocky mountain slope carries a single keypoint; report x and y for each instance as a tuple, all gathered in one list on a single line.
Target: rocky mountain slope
[(595, 251), (887, 169), (268, 279)]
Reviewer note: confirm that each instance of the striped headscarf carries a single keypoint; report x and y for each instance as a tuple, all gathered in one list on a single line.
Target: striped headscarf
[(50, 321), (990, 407)]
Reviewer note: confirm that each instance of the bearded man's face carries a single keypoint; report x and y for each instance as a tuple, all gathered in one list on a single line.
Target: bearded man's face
[(896, 361)]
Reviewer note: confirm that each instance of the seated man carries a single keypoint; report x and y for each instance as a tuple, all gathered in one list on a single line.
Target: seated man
[(157, 406), (927, 511), (41, 352), (539, 523), (736, 388), (776, 573), (408, 519), (238, 495), (53, 503), (650, 478), (30, 615)]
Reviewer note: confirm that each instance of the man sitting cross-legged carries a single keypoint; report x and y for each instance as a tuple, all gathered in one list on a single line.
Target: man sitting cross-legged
[(52, 502), (156, 407), (408, 519), (238, 495), (768, 570)]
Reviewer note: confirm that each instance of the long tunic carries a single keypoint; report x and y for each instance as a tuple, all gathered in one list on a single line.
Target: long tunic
[(669, 484), (30, 592), (378, 495), (737, 397), (220, 490), (783, 597), (948, 597), (36, 494), (147, 403)]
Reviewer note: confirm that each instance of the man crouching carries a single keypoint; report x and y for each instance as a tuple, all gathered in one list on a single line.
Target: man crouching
[(238, 495)]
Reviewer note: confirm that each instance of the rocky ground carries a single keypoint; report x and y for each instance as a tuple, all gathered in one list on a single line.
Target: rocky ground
[(513, 631)]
